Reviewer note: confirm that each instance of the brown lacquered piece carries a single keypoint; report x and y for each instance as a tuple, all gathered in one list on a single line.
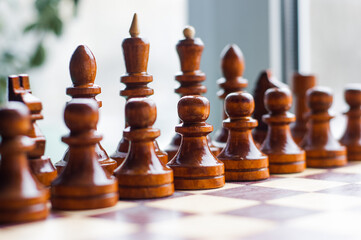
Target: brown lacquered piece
[(83, 183), (40, 165), (243, 161), (232, 81), (143, 175), (352, 136), (136, 54), (322, 149), (194, 166), (300, 85), (265, 82), (22, 197), (283, 153), (190, 51), (83, 70)]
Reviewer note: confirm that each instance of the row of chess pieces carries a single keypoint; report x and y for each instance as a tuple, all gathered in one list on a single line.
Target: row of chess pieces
[(246, 148)]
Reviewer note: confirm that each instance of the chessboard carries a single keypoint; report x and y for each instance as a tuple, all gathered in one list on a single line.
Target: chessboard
[(314, 204)]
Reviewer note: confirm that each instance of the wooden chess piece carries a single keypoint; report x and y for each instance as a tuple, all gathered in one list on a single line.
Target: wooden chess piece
[(22, 197), (83, 70), (194, 165), (322, 149), (40, 165), (352, 135), (142, 174), (83, 183), (265, 81), (283, 153), (136, 54), (232, 81), (190, 51), (243, 161), (300, 85)]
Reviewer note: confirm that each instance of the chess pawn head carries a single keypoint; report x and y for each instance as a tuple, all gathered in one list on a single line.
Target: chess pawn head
[(353, 95), (135, 50), (232, 62), (193, 109), (81, 115), (319, 99), (14, 120), (140, 114), (278, 100), (239, 105), (190, 52), (83, 67)]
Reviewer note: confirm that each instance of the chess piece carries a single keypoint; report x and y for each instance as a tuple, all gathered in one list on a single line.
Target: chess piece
[(232, 81), (301, 83), (40, 165), (194, 166), (243, 161), (283, 153), (142, 174), (83, 70), (22, 197), (352, 135), (136, 53), (322, 149), (83, 183), (190, 51), (265, 82)]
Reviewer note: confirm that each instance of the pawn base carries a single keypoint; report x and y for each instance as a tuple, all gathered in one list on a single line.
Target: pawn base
[(246, 169), (286, 163), (326, 159), (148, 192), (354, 153), (198, 184)]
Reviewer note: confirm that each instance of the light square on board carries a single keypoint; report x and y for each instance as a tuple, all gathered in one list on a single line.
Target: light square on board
[(212, 227), (226, 186), (300, 184), (68, 228), (202, 204), (318, 201)]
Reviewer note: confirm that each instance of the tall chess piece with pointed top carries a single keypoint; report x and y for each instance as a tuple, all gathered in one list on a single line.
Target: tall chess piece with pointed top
[(136, 54)]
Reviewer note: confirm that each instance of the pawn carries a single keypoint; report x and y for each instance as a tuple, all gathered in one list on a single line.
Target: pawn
[(22, 197), (352, 136), (83, 183), (194, 166), (322, 149), (242, 159), (284, 154), (142, 174)]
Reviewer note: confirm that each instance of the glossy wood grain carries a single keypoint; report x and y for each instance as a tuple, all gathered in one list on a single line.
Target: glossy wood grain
[(136, 54), (40, 165), (83, 70), (22, 197), (143, 175), (243, 161), (283, 153), (322, 149), (232, 81), (83, 183), (194, 165)]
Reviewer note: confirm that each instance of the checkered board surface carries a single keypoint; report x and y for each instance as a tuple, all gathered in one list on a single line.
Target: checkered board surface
[(315, 204)]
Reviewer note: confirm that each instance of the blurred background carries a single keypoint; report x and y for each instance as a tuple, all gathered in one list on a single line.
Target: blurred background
[(38, 37)]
